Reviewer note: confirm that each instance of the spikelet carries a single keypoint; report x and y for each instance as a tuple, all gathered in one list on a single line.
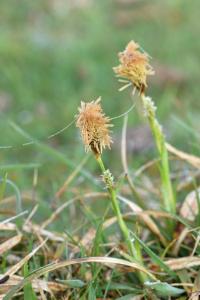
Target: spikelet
[(94, 127), (134, 66)]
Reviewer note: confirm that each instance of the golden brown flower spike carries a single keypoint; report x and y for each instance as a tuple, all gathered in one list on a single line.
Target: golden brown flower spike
[(94, 127), (134, 66)]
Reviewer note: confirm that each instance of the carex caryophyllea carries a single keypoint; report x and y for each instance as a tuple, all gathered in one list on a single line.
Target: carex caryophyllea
[(94, 127), (134, 66)]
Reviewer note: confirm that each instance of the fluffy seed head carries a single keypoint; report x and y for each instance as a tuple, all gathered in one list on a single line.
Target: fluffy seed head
[(94, 126), (134, 66)]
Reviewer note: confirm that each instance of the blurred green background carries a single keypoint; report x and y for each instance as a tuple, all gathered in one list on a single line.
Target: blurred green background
[(55, 53)]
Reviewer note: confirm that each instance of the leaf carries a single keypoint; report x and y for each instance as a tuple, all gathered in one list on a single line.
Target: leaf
[(164, 289), (91, 293), (186, 262), (191, 159), (120, 286), (73, 283), (155, 258), (128, 297), (10, 243), (28, 290)]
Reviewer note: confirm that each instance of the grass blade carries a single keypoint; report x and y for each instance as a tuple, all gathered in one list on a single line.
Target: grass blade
[(154, 257)]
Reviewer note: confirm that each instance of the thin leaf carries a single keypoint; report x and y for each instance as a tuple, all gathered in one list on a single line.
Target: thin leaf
[(155, 258), (73, 283), (123, 286), (128, 297), (164, 289), (91, 293), (10, 243), (28, 290)]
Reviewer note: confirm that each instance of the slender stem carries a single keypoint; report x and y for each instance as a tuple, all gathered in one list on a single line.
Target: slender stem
[(134, 249), (167, 190)]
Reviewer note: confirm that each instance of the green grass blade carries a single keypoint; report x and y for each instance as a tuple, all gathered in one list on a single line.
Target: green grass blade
[(72, 283), (163, 289), (127, 297), (154, 257), (29, 293)]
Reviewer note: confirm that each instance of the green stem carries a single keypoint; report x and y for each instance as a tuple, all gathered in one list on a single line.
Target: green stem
[(134, 248), (167, 190)]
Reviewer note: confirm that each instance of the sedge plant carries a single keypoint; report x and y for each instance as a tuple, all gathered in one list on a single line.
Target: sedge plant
[(95, 132), (134, 67)]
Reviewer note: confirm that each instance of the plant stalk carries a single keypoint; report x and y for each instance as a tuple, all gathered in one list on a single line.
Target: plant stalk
[(167, 190), (133, 247)]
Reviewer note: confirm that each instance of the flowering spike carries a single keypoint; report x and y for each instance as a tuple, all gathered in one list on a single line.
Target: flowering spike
[(94, 126), (134, 66)]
